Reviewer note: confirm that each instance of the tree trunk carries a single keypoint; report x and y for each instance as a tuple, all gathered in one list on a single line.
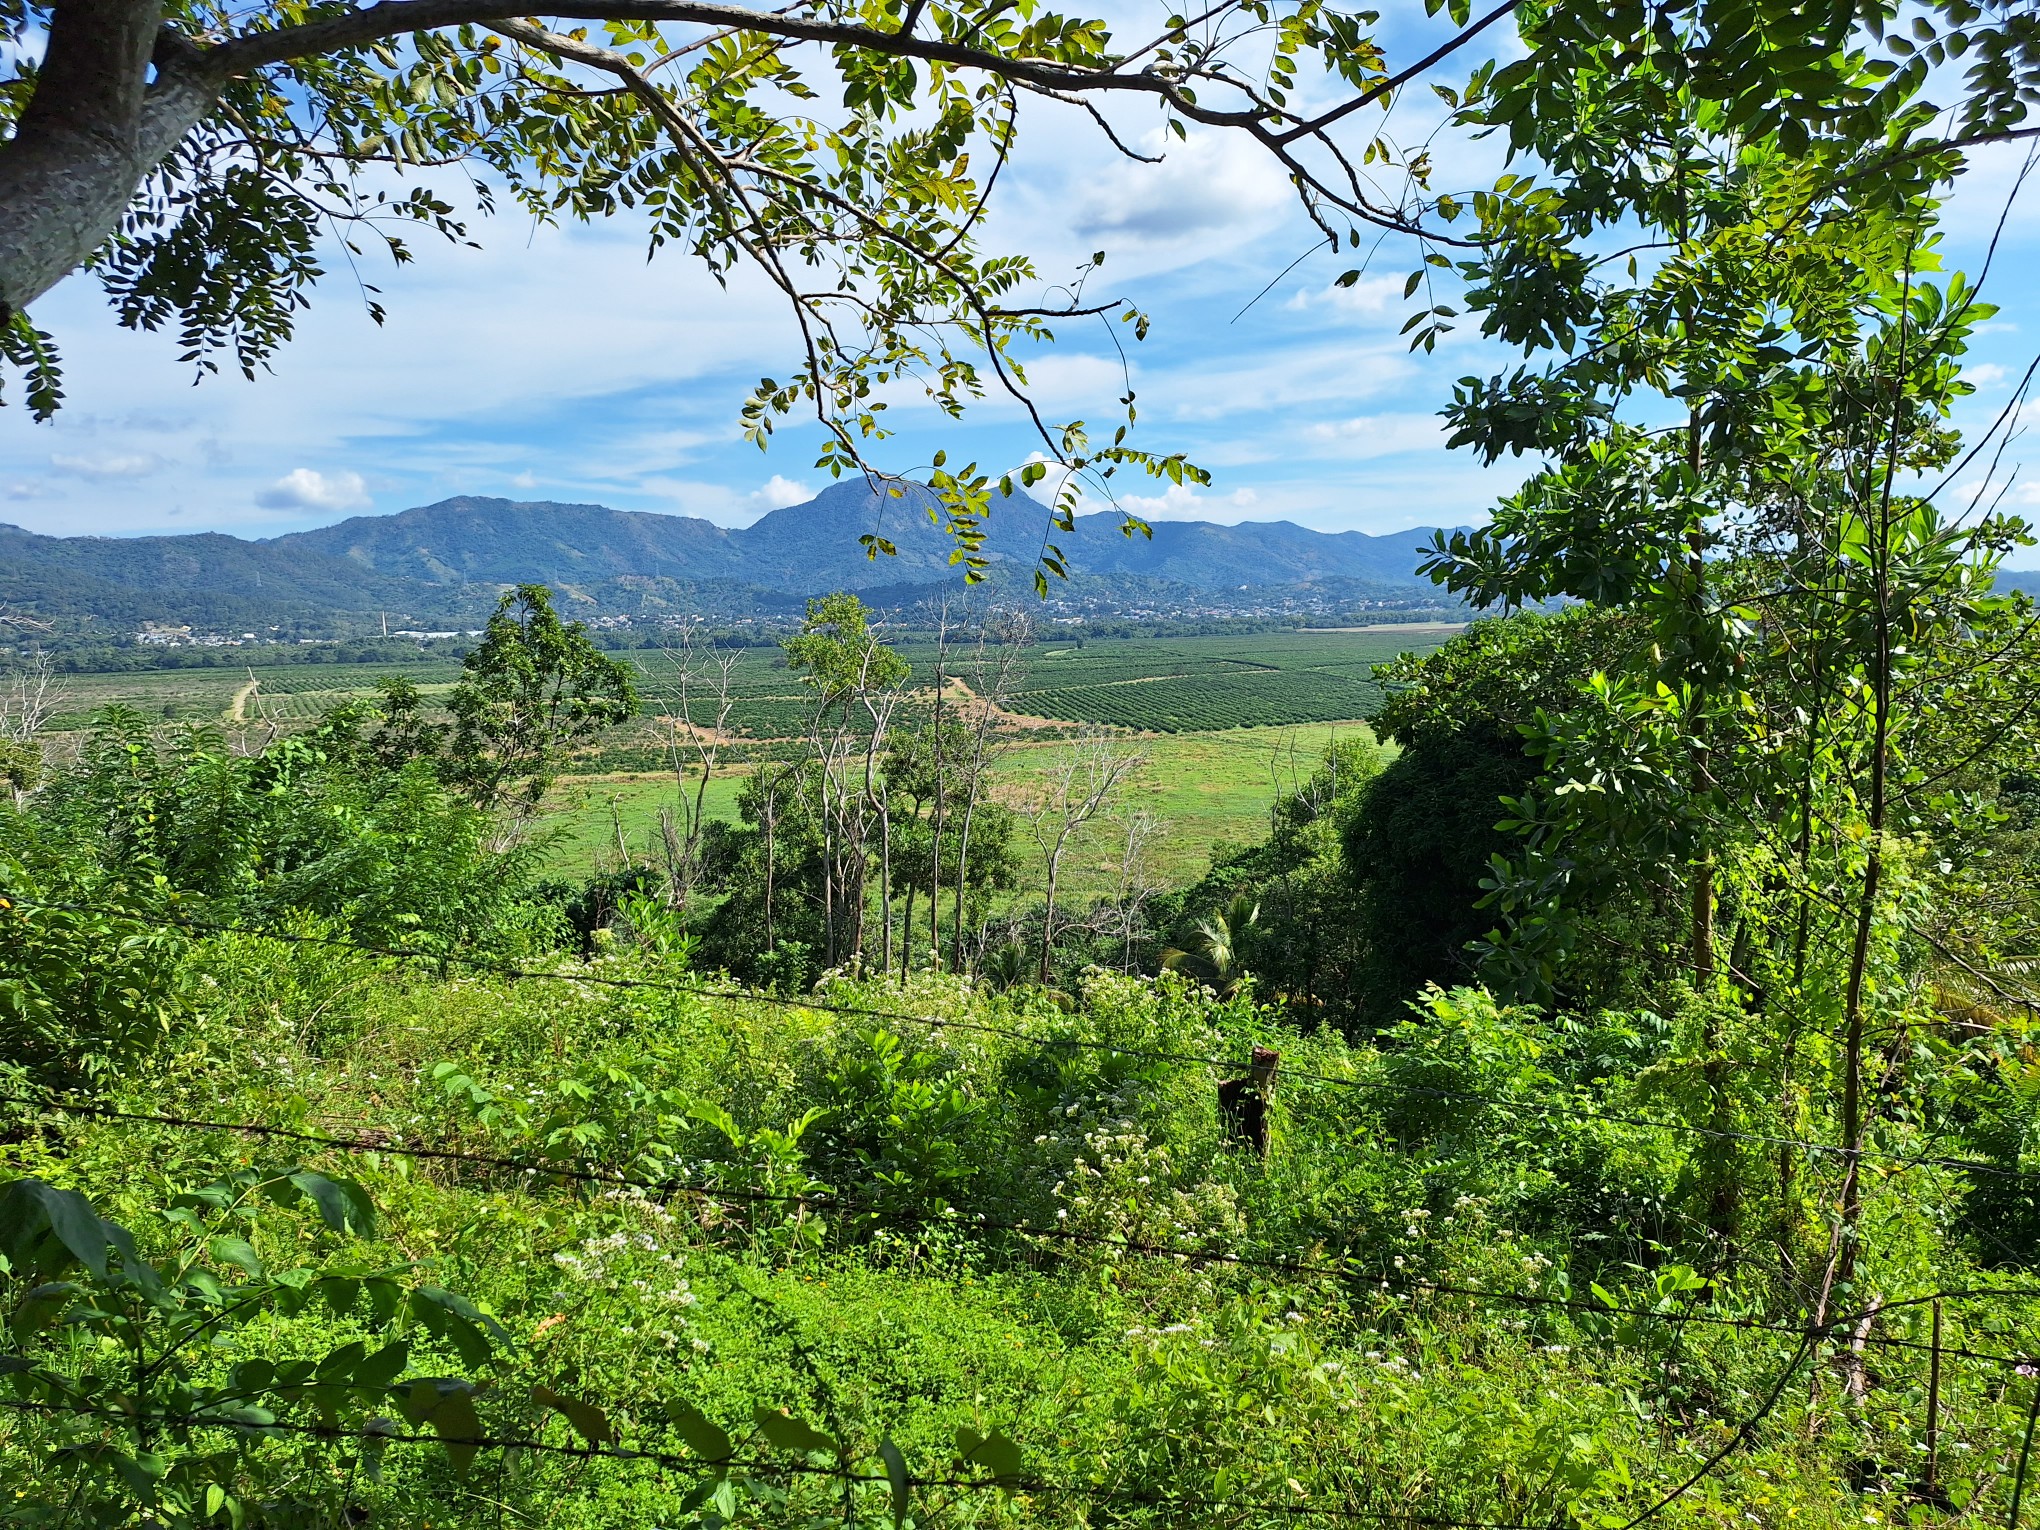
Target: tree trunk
[(92, 131), (962, 874), (935, 839), (885, 895), (771, 822), (1048, 916)]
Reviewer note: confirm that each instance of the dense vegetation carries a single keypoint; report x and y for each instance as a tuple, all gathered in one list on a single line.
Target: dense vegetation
[(550, 1219), (1605, 1098)]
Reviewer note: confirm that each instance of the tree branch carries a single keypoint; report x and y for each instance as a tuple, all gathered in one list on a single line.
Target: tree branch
[(394, 18), (1375, 92)]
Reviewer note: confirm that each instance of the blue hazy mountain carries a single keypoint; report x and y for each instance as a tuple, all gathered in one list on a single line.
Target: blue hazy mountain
[(449, 559), (811, 547)]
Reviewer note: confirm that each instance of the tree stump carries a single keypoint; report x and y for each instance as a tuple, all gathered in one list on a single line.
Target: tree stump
[(1243, 1102)]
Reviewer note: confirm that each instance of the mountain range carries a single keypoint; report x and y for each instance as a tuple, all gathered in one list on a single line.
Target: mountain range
[(448, 561)]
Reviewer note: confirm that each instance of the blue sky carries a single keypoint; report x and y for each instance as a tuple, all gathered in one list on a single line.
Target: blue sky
[(559, 364)]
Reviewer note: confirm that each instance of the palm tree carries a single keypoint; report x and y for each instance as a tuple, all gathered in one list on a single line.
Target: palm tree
[(1217, 951)]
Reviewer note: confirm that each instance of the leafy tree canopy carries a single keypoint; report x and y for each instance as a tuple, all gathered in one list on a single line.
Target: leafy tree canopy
[(534, 687), (192, 156)]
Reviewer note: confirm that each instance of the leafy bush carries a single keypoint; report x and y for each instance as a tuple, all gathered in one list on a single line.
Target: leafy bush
[(89, 970), (308, 825)]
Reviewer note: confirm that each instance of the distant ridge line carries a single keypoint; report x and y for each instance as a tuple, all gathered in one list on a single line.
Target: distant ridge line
[(448, 559)]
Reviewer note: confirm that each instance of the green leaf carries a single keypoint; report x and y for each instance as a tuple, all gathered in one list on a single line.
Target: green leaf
[(384, 1366), (699, 1431), (344, 1362), (142, 1470), (897, 1480), (342, 1204), (589, 1421), (32, 1213), (456, 1321), (238, 1252), (994, 1452), (455, 1423), (786, 1432)]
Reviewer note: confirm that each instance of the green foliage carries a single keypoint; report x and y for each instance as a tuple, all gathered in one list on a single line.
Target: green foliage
[(1420, 849), (307, 827), (1218, 951), (152, 1382), (533, 689), (837, 656), (902, 1117), (90, 978)]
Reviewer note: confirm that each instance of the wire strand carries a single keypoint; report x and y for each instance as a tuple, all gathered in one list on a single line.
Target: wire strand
[(894, 1217), (826, 1006)]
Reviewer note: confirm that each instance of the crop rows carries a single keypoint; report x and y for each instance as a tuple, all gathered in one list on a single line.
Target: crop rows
[(1104, 669), (348, 679), (1200, 703), (295, 706)]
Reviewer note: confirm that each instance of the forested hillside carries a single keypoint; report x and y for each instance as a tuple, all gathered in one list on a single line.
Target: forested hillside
[(447, 563)]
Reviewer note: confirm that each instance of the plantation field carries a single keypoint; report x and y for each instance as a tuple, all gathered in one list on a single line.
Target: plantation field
[(1190, 685), (1225, 722), (1209, 791), (286, 693), (1176, 685)]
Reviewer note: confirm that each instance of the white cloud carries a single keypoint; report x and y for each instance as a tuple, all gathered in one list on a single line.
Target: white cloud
[(106, 464), (309, 489), (1381, 435), (1217, 189), (1988, 375), (1180, 502), (1368, 295), (778, 491), (1308, 377)]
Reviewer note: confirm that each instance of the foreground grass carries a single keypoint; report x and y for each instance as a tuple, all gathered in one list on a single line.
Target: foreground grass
[(1140, 1387)]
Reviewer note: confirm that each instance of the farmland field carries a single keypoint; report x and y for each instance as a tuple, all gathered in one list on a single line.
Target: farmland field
[(287, 693), (1224, 722), (1209, 792), (1176, 685), (1194, 685)]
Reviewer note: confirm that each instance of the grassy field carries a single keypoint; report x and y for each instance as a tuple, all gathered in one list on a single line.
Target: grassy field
[(1208, 790), (1224, 721)]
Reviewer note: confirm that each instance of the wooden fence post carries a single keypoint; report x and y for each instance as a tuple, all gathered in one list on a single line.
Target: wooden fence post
[(1243, 1102)]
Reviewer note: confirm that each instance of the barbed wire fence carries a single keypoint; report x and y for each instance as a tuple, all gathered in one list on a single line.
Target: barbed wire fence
[(1344, 1269)]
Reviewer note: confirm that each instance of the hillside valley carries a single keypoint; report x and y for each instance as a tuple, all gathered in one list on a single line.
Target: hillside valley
[(447, 562)]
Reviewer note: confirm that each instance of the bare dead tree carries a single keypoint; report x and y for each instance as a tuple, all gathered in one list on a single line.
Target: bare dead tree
[(697, 748), (994, 669), (879, 705), (32, 698), (20, 621), (942, 631), (843, 797), (1139, 832), (1077, 786), (245, 730), (34, 695)]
